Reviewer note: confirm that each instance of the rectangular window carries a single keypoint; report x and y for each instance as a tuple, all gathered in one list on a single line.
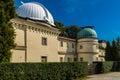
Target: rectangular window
[(81, 46), (81, 59), (43, 58), (69, 59), (73, 45), (61, 43), (44, 41), (61, 59)]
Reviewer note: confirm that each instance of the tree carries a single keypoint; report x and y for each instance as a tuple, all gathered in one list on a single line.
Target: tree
[(113, 51), (108, 55), (60, 26), (68, 31), (7, 34), (72, 31), (118, 49)]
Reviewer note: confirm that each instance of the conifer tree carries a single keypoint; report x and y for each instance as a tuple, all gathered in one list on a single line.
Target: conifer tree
[(113, 50), (118, 49), (7, 34), (108, 56)]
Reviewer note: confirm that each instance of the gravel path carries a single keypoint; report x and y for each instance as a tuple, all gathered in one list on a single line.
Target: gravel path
[(108, 76)]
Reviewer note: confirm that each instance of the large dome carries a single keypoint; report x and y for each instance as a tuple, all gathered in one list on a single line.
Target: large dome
[(35, 11), (87, 33)]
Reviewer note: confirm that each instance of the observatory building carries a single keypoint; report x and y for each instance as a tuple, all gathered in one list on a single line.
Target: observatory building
[(38, 39)]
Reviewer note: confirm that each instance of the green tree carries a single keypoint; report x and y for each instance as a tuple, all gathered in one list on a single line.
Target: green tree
[(60, 26), (67, 31), (118, 49), (108, 56), (113, 50), (72, 31), (7, 34)]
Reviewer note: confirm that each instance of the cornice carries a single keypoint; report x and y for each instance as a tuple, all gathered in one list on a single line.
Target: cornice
[(65, 53), (88, 52), (65, 38), (33, 26), (20, 48)]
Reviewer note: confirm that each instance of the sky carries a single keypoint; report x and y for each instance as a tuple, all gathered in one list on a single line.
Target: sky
[(104, 15)]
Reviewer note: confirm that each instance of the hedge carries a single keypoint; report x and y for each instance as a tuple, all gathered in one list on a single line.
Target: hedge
[(108, 66), (116, 66), (43, 71)]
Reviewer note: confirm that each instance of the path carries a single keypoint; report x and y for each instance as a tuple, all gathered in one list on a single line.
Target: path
[(108, 76)]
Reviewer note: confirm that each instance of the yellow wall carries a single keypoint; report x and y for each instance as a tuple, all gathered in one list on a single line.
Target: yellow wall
[(67, 45), (18, 56), (35, 49), (34, 34), (89, 51), (29, 36), (66, 51)]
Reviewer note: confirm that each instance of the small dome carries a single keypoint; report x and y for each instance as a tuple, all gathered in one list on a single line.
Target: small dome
[(87, 33), (35, 11)]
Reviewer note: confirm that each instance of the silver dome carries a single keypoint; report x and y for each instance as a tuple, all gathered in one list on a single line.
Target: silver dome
[(35, 11)]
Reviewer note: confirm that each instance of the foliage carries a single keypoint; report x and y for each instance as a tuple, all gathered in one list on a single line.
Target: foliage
[(72, 31), (108, 52), (108, 66), (59, 24), (116, 66), (113, 51), (68, 31), (42, 71), (7, 35)]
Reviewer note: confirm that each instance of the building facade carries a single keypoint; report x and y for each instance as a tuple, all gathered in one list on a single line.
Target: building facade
[(38, 39)]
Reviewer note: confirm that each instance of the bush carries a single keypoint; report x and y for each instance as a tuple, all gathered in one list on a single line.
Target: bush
[(116, 66), (42, 71), (108, 66)]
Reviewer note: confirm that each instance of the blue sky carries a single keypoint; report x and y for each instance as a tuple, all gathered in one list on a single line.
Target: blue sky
[(103, 14)]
